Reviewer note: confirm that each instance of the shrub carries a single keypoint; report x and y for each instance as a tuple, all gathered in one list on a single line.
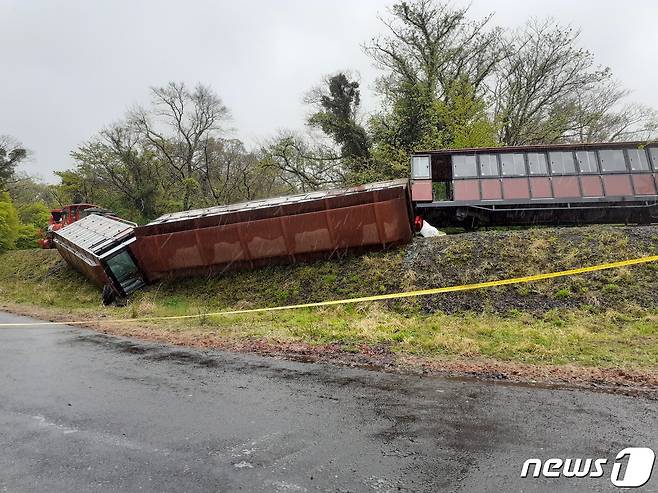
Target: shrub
[(9, 223)]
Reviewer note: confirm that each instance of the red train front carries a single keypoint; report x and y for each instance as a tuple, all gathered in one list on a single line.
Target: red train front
[(60, 218)]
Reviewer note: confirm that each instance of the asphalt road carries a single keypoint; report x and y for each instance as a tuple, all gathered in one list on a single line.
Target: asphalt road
[(81, 411)]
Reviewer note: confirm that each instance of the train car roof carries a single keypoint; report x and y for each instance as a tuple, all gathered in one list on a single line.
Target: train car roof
[(541, 148), (96, 234), (274, 201)]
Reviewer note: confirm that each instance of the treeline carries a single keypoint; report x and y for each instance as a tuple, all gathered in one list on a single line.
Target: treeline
[(24, 201), (447, 80)]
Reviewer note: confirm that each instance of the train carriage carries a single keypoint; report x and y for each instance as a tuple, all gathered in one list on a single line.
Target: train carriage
[(122, 257), (544, 184)]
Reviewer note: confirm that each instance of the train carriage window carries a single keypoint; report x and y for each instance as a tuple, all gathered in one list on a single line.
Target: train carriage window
[(488, 165), (612, 160), (513, 164), (587, 161), (638, 159), (441, 191), (562, 163), (653, 152), (464, 166), (420, 167), (125, 271), (537, 163)]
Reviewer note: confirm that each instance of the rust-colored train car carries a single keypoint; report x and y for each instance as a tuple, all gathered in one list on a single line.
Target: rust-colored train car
[(613, 182), (276, 230)]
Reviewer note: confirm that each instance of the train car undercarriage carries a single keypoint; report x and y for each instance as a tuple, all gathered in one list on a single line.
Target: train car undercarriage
[(474, 216)]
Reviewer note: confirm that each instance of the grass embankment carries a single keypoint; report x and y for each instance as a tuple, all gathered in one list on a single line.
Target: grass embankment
[(607, 319)]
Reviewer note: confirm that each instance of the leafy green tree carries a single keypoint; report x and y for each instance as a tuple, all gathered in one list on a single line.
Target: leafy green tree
[(417, 121), (9, 223), (431, 44), (35, 214), (29, 197), (436, 63), (338, 106), (464, 118), (412, 122), (77, 186)]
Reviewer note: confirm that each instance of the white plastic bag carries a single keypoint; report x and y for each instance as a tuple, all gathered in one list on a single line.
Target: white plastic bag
[(428, 231)]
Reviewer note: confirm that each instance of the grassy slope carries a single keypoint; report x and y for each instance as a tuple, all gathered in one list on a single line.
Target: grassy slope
[(602, 319)]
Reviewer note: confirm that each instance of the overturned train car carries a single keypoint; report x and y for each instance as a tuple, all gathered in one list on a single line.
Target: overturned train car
[(237, 236)]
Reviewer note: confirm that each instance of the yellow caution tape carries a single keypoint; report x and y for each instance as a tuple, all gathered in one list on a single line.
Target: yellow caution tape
[(378, 297)]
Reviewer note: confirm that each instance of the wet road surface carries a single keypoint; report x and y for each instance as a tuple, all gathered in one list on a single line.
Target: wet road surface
[(80, 411)]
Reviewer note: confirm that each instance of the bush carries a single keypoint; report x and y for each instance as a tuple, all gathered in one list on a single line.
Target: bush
[(28, 235), (9, 223), (36, 214)]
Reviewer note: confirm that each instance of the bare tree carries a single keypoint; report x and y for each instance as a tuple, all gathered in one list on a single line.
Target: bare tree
[(26, 189), (550, 90), (230, 174), (537, 85), (301, 165), (11, 154), (119, 159), (602, 115), (170, 156), (179, 127)]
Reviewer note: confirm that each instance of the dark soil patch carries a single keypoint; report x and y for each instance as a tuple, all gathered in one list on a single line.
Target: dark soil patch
[(491, 255)]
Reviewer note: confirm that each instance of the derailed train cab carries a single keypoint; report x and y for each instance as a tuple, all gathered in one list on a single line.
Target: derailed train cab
[(544, 184), (99, 248)]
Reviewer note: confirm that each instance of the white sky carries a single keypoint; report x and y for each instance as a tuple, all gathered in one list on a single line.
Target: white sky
[(70, 67)]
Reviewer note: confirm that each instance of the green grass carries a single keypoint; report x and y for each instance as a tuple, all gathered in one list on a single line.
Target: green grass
[(589, 340), (603, 339), (605, 319)]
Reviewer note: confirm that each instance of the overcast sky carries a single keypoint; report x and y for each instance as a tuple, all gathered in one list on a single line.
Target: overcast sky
[(69, 68)]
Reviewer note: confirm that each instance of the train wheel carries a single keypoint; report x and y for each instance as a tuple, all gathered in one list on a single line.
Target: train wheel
[(109, 295), (471, 223)]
